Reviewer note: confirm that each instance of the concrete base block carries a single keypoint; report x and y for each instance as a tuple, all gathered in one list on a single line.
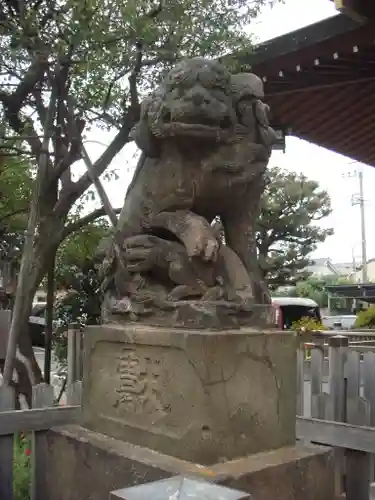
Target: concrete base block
[(199, 395), (86, 465)]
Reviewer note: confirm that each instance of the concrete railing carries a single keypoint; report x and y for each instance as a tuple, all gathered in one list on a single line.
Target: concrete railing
[(43, 416), (336, 407)]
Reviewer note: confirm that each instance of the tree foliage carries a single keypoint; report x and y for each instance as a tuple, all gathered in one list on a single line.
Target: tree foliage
[(76, 274), (15, 191), (77, 253), (288, 228), (365, 318), (314, 288), (106, 50)]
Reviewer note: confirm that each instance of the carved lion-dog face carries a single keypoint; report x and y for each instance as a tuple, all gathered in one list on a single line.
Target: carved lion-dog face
[(197, 100), (194, 101), (200, 100)]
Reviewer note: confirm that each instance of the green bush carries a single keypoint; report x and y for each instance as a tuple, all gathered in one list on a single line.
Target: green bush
[(82, 307), (366, 318), (307, 324), (21, 467)]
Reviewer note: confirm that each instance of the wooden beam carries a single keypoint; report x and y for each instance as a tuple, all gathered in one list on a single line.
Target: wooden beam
[(337, 434), (309, 88), (37, 420), (295, 41)]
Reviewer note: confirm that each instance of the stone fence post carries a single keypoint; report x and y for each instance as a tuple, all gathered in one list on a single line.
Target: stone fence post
[(74, 353)]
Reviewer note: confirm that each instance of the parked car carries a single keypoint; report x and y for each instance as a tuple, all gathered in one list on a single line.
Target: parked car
[(342, 321), (288, 310)]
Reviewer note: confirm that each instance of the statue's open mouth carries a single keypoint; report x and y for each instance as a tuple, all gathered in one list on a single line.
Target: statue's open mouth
[(198, 122)]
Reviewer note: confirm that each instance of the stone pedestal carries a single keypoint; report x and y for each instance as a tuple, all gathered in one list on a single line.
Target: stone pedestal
[(200, 396), (86, 465), (158, 403)]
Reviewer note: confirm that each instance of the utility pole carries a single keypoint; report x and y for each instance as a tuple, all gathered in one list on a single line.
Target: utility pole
[(358, 199), (363, 228), (354, 267)]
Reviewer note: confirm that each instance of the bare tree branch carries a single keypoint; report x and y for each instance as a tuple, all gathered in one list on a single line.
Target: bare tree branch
[(34, 75), (41, 109), (79, 187), (72, 123), (85, 221), (102, 116), (152, 14), (134, 99), (25, 128), (44, 164)]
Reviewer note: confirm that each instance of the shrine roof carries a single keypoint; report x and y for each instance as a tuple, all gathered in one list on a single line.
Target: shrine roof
[(320, 84)]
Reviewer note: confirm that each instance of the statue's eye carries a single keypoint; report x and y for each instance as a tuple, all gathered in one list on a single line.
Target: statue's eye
[(175, 89)]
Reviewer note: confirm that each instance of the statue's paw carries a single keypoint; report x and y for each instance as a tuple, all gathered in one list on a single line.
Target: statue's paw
[(246, 294), (200, 240), (139, 260), (214, 293), (209, 247), (181, 292), (141, 252)]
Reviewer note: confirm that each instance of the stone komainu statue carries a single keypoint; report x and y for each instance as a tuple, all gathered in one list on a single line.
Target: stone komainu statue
[(206, 142)]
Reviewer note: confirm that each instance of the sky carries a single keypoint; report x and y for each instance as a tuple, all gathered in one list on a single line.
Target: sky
[(335, 173)]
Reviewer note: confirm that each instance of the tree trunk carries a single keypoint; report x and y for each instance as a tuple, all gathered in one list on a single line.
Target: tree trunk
[(49, 319), (34, 256), (26, 365), (42, 257), (26, 288), (35, 261)]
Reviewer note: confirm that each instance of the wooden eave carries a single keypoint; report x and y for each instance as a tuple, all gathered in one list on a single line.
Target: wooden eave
[(320, 84)]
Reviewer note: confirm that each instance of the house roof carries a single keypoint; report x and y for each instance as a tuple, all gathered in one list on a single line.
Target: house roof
[(323, 268), (361, 291), (320, 83)]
